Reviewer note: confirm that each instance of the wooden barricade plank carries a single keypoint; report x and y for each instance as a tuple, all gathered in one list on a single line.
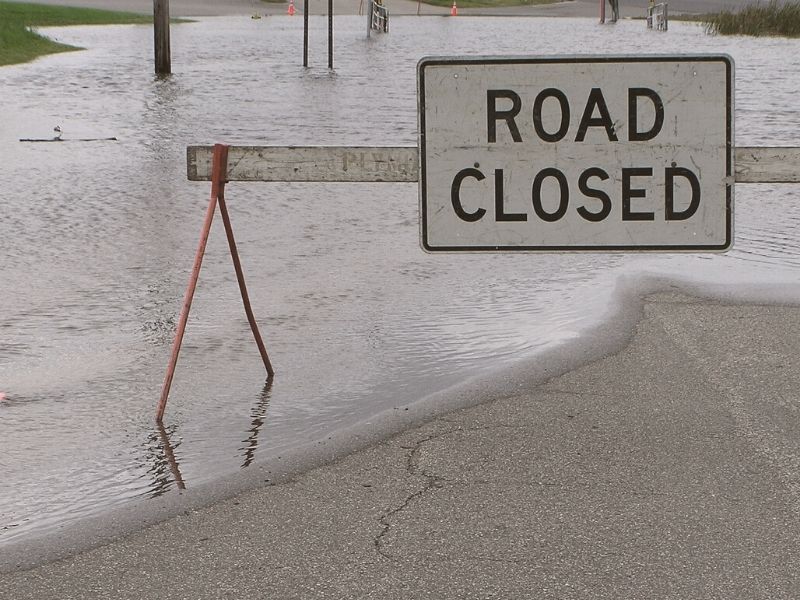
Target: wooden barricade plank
[(310, 163), (400, 163), (767, 165)]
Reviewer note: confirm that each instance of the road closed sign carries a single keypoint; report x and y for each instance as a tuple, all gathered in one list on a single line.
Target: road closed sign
[(576, 153)]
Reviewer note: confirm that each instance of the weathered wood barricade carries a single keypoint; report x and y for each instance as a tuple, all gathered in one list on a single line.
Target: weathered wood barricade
[(400, 164), (685, 162), (220, 164)]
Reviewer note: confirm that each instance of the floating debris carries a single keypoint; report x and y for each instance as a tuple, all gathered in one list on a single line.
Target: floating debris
[(58, 138)]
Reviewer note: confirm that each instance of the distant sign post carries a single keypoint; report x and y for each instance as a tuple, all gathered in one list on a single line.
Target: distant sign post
[(576, 153)]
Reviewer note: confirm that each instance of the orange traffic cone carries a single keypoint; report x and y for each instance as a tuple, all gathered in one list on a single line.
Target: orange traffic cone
[(454, 9), (290, 11)]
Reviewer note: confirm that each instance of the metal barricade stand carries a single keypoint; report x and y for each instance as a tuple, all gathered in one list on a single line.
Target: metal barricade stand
[(218, 180), (361, 164), (657, 16), (377, 17)]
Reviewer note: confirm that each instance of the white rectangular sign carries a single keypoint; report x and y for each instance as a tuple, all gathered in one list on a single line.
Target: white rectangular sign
[(576, 153)]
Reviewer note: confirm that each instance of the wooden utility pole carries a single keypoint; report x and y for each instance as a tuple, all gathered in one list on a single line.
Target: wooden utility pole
[(161, 33)]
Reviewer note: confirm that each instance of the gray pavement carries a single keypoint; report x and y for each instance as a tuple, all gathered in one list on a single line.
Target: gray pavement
[(666, 470)]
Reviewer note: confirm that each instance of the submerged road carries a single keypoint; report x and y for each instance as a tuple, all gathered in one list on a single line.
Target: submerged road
[(666, 470)]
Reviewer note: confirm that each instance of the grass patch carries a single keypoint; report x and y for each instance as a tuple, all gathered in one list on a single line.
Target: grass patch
[(40, 15), (19, 44), (487, 3), (758, 20), (689, 17)]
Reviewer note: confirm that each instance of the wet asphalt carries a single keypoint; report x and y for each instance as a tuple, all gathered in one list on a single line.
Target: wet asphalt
[(665, 470)]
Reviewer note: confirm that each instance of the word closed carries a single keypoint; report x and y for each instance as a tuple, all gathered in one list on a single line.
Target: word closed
[(576, 153)]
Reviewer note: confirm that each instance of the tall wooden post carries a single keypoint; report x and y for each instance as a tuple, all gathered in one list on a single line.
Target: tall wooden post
[(161, 34)]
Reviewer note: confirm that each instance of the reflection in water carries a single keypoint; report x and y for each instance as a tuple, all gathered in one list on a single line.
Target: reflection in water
[(161, 109), (164, 469), (258, 415)]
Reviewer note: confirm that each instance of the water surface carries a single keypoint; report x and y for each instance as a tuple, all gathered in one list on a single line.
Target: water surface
[(98, 238)]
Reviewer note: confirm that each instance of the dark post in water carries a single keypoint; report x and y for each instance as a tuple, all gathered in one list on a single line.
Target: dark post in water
[(305, 33), (161, 33), (330, 34)]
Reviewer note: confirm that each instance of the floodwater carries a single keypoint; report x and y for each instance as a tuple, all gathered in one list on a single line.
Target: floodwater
[(98, 238)]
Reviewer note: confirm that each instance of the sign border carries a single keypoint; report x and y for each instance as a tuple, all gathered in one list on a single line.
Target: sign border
[(431, 61)]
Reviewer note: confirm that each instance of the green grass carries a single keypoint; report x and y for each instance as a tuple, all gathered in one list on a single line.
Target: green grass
[(689, 17), (19, 44), (757, 20)]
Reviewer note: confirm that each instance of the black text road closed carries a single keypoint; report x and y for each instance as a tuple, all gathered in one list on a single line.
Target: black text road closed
[(576, 153)]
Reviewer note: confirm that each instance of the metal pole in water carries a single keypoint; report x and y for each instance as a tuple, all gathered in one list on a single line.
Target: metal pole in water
[(161, 35), (330, 34), (237, 265), (218, 176), (305, 33)]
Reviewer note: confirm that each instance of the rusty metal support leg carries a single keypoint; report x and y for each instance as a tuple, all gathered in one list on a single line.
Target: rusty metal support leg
[(223, 209), (218, 176)]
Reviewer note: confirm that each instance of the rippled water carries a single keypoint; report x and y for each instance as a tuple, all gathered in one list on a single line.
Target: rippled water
[(97, 242)]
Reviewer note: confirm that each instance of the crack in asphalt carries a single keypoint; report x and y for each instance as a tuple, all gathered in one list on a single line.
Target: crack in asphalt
[(431, 482)]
